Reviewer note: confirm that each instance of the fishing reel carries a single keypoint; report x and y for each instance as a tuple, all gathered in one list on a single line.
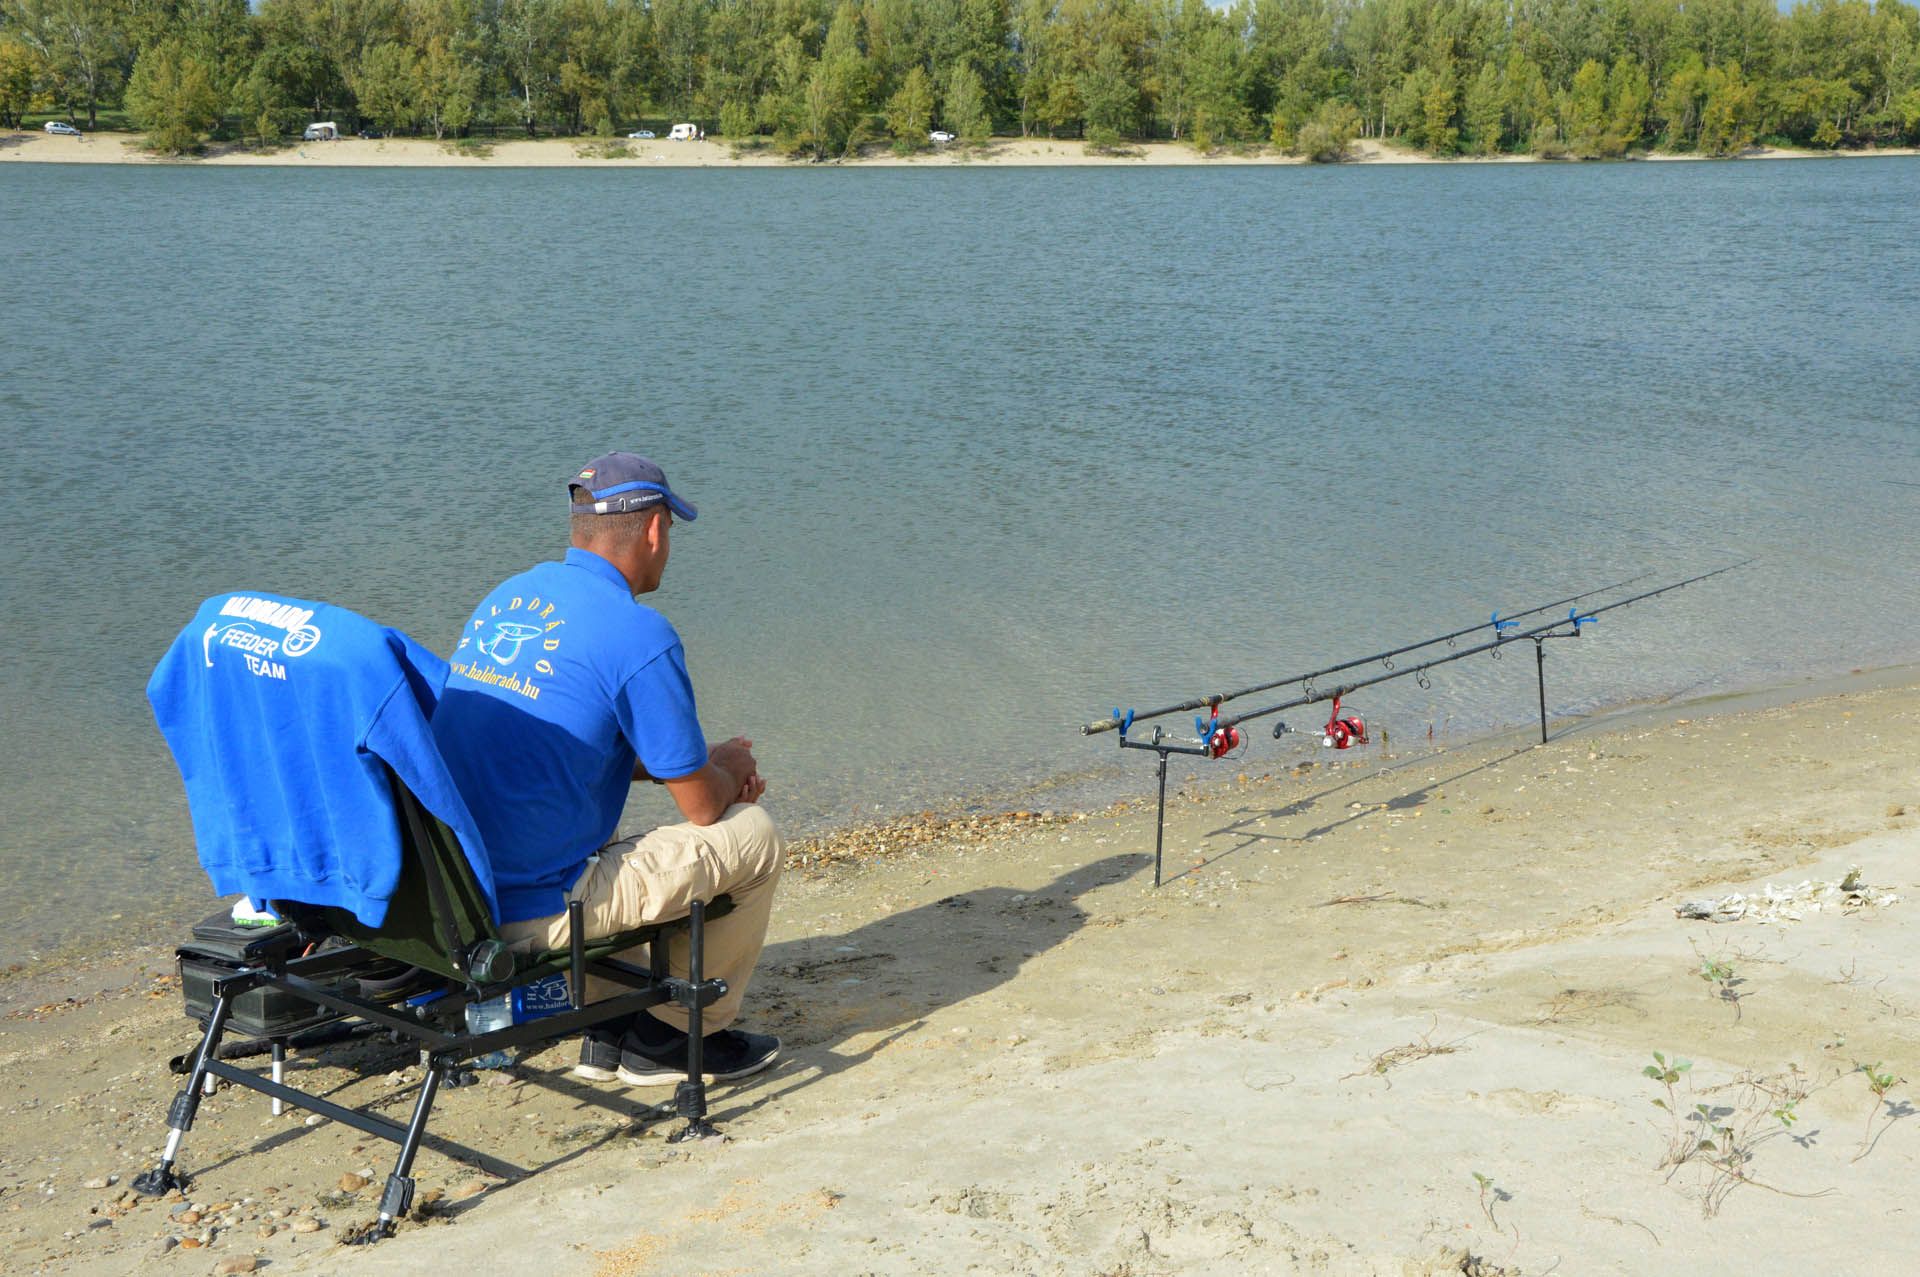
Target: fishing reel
[(1343, 733), (1219, 739)]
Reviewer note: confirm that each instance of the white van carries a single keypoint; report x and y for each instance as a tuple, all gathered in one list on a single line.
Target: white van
[(325, 131), (686, 133)]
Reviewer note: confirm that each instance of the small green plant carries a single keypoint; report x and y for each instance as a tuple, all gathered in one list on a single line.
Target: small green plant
[(1491, 1195), (1718, 973), (1880, 1084), (1724, 1137), (1682, 1139)]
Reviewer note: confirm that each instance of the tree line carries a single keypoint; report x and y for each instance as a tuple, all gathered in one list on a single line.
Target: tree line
[(823, 78)]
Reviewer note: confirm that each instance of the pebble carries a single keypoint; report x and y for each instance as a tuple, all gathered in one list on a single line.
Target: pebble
[(352, 1183), (102, 1181), (165, 1244), (472, 1188), (99, 1223), (189, 1243), (238, 1264), (267, 1230), (314, 1119), (187, 1217), (307, 1225)]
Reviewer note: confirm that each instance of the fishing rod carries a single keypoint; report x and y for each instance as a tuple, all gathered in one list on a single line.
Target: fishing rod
[(1574, 619), (1218, 736), (1218, 698)]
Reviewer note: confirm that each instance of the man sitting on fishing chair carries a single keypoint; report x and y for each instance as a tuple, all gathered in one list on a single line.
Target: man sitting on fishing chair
[(564, 691)]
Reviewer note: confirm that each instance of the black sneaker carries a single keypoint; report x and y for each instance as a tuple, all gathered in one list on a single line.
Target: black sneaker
[(726, 1055), (600, 1053)]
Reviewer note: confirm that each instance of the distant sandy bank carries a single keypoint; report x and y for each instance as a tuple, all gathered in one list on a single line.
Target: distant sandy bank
[(123, 148)]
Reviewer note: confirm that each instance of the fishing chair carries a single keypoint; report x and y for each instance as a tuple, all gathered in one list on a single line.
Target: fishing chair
[(284, 746), (438, 921)]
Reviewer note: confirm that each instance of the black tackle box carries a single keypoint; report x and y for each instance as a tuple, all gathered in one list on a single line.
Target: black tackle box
[(220, 948)]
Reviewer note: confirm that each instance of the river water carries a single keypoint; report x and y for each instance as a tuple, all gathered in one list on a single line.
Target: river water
[(979, 453)]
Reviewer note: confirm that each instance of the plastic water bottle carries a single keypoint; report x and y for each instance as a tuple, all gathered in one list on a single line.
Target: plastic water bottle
[(485, 1017)]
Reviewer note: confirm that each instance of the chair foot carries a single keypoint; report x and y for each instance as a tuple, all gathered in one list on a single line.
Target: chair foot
[(396, 1201), (697, 1128), (159, 1181), (369, 1233), (690, 1102)]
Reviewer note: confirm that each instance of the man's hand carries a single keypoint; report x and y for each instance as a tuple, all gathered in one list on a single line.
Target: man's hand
[(731, 775)]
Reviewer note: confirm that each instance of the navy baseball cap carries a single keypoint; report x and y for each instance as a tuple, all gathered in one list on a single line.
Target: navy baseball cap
[(623, 481)]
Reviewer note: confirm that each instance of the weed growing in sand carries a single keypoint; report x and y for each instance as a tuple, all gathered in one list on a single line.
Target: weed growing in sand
[(1722, 1137), (1880, 1084), (1405, 1053), (1491, 1195), (1682, 1140), (1717, 971)]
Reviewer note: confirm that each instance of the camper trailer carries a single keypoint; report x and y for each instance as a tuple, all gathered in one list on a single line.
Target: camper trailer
[(325, 131), (686, 133)]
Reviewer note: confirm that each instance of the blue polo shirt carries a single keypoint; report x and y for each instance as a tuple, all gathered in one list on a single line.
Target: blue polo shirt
[(561, 680)]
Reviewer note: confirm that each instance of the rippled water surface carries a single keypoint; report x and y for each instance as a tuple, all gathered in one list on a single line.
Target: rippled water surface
[(979, 453)]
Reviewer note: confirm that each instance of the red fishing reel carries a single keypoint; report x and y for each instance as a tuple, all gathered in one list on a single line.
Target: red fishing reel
[(1343, 733), (1219, 739)]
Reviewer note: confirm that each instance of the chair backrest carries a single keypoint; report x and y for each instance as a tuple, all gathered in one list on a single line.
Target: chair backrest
[(304, 740), (437, 918)]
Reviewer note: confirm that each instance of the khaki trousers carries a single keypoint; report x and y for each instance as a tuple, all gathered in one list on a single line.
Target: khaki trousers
[(637, 882)]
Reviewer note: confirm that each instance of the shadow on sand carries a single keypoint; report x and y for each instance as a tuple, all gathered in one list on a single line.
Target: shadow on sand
[(886, 977)]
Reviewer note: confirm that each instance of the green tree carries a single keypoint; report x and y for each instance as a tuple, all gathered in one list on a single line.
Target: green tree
[(1216, 70), (1583, 115), (449, 89), (910, 112), (1525, 97), (1730, 115), (736, 118), (966, 106), (387, 84), (82, 43), (1629, 94), (1680, 103), (1325, 137), (1484, 111), (1437, 106), (172, 96), (17, 67), (1112, 96), (527, 39)]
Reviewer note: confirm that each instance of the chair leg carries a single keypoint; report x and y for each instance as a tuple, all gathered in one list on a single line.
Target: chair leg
[(397, 1199), (690, 1097), (162, 1179)]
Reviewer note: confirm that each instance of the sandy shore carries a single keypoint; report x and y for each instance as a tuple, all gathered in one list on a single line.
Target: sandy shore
[(122, 148), (1389, 1015)]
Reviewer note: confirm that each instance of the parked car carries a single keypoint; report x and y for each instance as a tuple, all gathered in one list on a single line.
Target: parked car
[(941, 136), (645, 135), (62, 128)]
